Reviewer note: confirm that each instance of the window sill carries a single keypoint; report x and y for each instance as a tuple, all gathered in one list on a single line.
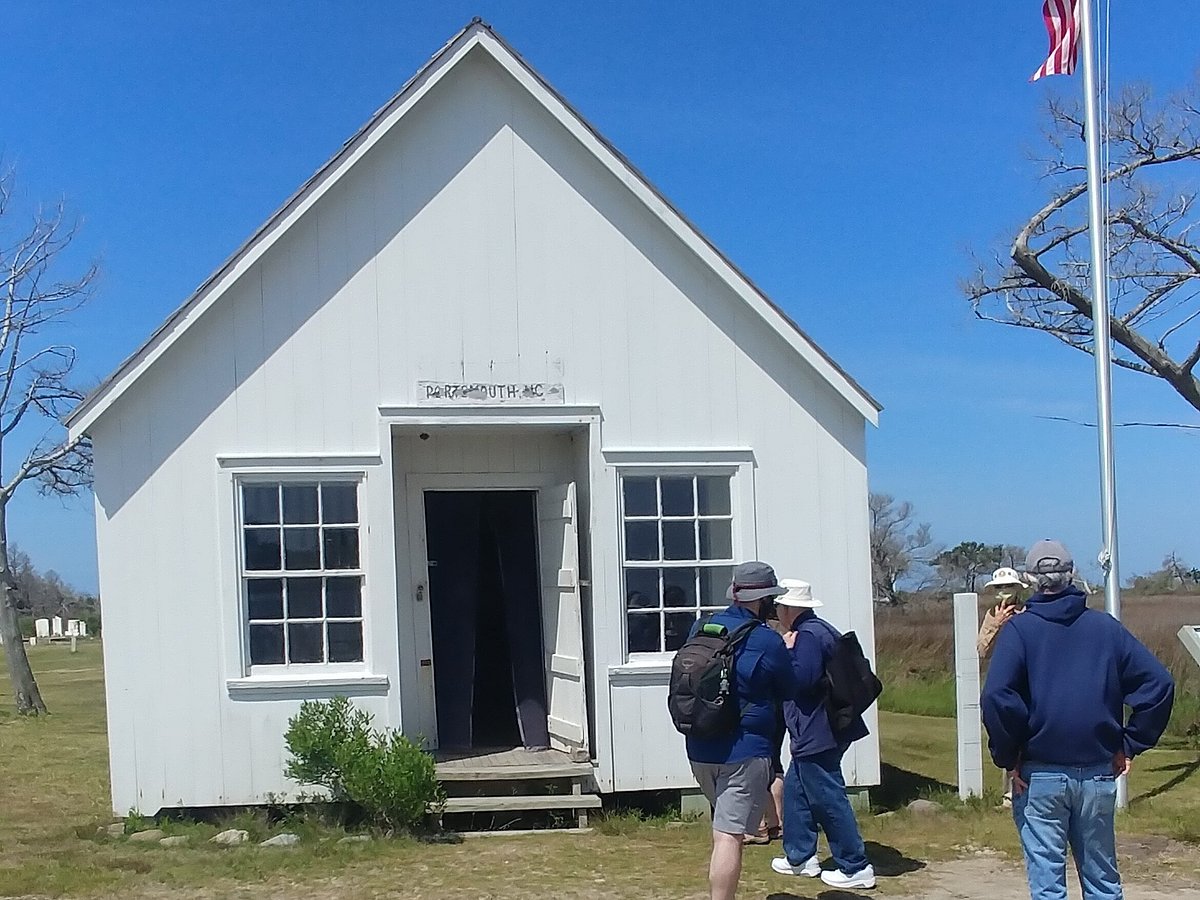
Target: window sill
[(654, 670), (287, 687)]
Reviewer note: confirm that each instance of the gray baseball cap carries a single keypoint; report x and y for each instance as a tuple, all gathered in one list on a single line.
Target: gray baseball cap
[(1048, 557), (753, 581)]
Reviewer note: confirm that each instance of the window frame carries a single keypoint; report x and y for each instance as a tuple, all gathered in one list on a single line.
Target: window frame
[(741, 518), (242, 575)]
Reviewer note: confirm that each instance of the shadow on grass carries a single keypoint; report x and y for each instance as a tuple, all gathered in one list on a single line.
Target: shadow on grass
[(890, 862), (899, 787), (1185, 769)]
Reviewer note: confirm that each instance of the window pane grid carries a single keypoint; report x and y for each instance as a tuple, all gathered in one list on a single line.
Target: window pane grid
[(678, 555), (302, 573)]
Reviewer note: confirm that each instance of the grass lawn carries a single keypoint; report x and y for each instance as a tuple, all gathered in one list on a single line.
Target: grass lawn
[(54, 796)]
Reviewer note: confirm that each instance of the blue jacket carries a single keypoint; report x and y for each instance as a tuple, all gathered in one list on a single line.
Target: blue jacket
[(764, 680), (1060, 678), (807, 722)]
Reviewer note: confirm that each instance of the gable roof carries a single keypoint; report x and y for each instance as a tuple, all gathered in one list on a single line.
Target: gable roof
[(476, 34)]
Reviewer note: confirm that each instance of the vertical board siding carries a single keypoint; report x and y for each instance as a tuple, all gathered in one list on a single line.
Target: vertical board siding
[(477, 240)]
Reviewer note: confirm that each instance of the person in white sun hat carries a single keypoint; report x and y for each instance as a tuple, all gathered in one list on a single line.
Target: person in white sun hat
[(814, 791), (1009, 589)]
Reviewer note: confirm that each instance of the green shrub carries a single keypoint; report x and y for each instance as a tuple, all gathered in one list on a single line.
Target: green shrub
[(391, 778)]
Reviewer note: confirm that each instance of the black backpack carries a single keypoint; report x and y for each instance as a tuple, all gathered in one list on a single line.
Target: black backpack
[(850, 685), (701, 696)]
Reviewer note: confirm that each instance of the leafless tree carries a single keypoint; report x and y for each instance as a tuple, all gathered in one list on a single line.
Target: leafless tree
[(1154, 250), (34, 392), (1012, 556), (900, 547)]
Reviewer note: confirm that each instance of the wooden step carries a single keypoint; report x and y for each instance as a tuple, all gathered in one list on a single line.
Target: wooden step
[(513, 773), (501, 804)]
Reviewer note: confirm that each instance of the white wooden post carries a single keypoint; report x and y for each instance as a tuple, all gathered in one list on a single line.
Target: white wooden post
[(966, 681), (1190, 635)]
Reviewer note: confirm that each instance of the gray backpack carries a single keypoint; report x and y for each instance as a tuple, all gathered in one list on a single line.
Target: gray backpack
[(701, 696)]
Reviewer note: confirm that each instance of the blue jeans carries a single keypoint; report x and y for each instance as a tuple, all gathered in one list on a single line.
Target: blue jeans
[(814, 793), (1068, 806)]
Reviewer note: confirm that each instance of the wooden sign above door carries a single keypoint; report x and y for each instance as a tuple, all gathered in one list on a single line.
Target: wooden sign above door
[(488, 392)]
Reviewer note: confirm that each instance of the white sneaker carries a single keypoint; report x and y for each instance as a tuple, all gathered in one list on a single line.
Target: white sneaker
[(810, 869), (863, 879)]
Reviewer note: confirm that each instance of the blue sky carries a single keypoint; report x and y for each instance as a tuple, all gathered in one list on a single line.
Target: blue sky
[(848, 163)]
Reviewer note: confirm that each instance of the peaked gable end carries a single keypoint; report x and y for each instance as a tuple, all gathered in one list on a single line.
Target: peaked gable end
[(476, 37)]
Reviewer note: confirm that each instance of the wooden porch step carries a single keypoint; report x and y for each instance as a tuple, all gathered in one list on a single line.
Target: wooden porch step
[(542, 801), (513, 773)]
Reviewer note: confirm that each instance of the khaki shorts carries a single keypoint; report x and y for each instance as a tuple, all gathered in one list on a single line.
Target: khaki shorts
[(737, 793)]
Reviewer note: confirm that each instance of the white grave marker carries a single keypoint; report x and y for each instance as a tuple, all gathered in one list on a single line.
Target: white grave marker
[(41, 627), (72, 627), (56, 627), (82, 628), (966, 680)]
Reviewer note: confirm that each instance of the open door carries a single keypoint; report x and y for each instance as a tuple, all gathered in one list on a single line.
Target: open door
[(562, 618)]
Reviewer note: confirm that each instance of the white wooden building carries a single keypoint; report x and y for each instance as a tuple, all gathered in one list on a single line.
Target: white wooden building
[(471, 430)]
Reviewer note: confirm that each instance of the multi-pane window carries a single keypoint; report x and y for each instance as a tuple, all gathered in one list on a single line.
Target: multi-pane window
[(678, 555), (301, 572)]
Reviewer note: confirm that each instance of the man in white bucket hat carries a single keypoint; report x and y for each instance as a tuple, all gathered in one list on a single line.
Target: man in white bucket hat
[(1010, 600), (1009, 589), (814, 791)]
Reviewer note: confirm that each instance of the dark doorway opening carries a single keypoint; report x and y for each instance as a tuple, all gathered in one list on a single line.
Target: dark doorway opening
[(484, 595)]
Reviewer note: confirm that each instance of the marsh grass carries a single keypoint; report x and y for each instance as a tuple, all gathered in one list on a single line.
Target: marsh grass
[(915, 649)]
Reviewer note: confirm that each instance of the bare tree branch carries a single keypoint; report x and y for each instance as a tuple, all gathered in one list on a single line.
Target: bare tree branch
[(1043, 284), (35, 385)]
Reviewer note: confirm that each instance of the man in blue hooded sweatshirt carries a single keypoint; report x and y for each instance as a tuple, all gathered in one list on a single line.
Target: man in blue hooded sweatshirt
[(1053, 704)]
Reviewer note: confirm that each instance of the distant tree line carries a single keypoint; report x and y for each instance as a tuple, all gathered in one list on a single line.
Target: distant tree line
[(1173, 576), (44, 595), (907, 562)]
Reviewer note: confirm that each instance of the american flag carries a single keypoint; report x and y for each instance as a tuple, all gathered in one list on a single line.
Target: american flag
[(1062, 22)]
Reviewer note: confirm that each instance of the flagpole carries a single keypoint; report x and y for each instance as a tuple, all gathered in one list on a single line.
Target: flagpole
[(1101, 341)]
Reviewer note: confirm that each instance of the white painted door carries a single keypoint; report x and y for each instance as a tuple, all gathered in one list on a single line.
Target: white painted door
[(422, 619), (562, 619)]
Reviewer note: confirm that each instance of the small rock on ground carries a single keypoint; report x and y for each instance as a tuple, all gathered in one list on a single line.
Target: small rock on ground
[(178, 840), (925, 808), (148, 836), (281, 840), (115, 830), (356, 839), (231, 837)]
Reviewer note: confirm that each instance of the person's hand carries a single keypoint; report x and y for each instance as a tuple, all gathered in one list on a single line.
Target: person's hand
[(1019, 786), (1121, 763), (789, 639), (1003, 613)]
